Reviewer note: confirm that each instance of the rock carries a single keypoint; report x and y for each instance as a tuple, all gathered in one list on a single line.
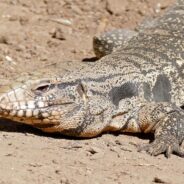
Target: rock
[(23, 20), (76, 9), (20, 48), (95, 153), (62, 21), (64, 181), (58, 34), (116, 7), (158, 180), (94, 150), (161, 6), (4, 39)]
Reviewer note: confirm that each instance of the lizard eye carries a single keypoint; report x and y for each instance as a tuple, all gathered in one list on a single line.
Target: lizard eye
[(42, 88)]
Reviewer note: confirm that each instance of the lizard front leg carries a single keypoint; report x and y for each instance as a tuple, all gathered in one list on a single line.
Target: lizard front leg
[(167, 122)]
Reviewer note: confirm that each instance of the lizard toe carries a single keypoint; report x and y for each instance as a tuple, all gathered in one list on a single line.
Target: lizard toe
[(153, 149), (162, 144), (178, 151)]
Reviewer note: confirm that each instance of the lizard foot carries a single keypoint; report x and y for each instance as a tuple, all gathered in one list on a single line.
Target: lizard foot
[(163, 144)]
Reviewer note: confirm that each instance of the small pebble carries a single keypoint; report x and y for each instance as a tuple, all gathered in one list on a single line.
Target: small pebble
[(3, 39), (65, 22), (158, 180), (58, 34), (94, 150)]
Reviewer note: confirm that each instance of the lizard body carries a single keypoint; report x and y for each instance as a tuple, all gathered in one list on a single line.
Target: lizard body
[(137, 88)]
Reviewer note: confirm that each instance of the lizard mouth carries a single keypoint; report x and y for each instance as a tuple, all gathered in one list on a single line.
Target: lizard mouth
[(34, 111), (45, 116)]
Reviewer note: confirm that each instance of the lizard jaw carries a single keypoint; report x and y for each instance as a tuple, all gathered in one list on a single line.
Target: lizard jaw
[(31, 111), (42, 117)]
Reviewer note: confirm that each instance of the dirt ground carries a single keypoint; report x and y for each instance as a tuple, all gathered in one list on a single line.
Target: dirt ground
[(39, 33)]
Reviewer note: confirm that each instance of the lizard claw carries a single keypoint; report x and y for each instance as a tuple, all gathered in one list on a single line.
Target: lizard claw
[(162, 144)]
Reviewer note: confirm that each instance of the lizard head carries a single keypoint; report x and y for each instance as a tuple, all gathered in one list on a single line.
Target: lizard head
[(48, 104)]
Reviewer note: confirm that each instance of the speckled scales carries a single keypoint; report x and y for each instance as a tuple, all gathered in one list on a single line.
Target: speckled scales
[(138, 88)]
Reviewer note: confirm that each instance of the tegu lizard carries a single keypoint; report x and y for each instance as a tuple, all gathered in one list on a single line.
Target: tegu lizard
[(136, 88)]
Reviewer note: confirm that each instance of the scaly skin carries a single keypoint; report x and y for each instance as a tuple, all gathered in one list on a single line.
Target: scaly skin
[(138, 88), (109, 42)]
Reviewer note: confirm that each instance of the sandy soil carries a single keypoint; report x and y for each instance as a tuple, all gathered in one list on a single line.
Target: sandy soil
[(37, 33)]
